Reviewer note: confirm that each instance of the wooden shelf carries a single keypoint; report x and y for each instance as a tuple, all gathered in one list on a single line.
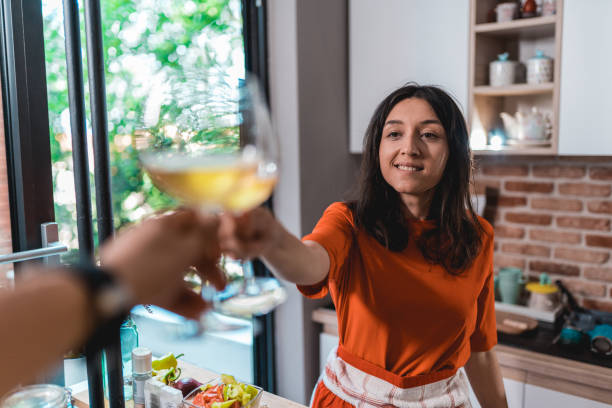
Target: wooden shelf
[(528, 27), (516, 150), (515, 89)]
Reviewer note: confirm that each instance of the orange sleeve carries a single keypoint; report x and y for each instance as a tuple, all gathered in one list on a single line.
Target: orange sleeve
[(485, 332), (334, 232)]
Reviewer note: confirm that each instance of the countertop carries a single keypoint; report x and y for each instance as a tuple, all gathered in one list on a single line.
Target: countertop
[(268, 400)]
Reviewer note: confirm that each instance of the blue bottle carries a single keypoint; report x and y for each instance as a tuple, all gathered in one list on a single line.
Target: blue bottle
[(128, 334)]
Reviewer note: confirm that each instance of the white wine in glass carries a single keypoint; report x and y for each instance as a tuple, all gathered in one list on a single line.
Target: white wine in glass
[(217, 152)]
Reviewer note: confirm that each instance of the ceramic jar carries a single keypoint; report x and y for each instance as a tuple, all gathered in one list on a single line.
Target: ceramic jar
[(549, 8), (501, 71), (539, 69), (506, 11)]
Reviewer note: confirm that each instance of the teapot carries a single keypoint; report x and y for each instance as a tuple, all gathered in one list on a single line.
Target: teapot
[(533, 126)]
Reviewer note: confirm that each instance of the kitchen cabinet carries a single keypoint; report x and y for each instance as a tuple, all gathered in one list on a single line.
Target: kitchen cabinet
[(397, 41), (538, 397), (514, 394), (586, 66)]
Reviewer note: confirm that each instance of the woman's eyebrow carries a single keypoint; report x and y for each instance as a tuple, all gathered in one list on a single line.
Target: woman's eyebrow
[(394, 122), (431, 122)]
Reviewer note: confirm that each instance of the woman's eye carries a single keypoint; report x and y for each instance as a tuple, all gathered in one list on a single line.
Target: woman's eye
[(394, 135), (429, 135)]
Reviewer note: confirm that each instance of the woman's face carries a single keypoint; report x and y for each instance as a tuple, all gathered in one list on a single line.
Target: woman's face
[(413, 149)]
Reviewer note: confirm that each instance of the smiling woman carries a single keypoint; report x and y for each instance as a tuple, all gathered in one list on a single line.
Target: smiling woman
[(408, 262)]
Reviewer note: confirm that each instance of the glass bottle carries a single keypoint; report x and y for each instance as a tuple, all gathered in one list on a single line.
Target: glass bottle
[(128, 333), (141, 372)]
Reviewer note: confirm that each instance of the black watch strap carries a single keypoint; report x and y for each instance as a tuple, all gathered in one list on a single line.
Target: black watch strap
[(109, 304)]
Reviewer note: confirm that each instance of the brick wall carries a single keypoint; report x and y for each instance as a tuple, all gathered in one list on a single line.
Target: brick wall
[(553, 215)]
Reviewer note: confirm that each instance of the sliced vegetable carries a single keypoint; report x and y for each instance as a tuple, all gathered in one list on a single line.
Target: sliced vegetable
[(165, 362), (228, 379), (186, 385)]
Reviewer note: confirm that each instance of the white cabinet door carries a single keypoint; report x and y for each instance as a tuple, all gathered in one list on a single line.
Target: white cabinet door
[(538, 397), (326, 343), (392, 42), (586, 86), (514, 394)]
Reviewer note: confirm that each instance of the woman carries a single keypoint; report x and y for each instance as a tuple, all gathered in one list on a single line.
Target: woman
[(409, 265)]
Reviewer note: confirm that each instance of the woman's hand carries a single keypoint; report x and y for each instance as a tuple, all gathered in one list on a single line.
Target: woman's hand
[(151, 258), (249, 235)]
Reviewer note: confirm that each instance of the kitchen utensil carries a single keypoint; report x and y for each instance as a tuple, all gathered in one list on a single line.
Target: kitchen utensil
[(532, 126), (505, 11), (601, 339), (510, 284), (543, 295), (511, 323), (539, 68), (501, 71)]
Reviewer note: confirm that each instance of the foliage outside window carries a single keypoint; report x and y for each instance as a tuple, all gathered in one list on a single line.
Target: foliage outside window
[(149, 46)]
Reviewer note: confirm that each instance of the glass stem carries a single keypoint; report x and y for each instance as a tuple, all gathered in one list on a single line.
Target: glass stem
[(250, 284)]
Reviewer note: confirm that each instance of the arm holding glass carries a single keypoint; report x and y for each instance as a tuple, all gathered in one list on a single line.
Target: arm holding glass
[(148, 261), (259, 234)]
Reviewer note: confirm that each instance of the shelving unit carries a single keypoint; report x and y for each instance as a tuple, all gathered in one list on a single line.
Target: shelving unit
[(520, 38)]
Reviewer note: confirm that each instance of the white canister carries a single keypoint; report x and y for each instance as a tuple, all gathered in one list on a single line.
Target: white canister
[(549, 8), (539, 69), (501, 71), (505, 11)]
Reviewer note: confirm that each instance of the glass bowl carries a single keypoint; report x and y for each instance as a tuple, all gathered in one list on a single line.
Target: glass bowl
[(253, 403)]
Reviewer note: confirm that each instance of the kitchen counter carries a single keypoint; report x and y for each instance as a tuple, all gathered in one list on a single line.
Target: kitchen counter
[(533, 359), (268, 400)]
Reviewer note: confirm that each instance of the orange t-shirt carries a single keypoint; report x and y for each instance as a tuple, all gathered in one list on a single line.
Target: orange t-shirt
[(400, 317)]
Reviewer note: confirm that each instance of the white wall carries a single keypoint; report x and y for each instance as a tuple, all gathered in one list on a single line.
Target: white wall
[(309, 96)]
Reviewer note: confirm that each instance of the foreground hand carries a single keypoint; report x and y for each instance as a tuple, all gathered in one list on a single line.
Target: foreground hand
[(249, 235), (151, 259)]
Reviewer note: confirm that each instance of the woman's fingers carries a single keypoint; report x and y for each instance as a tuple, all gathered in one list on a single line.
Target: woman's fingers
[(189, 304)]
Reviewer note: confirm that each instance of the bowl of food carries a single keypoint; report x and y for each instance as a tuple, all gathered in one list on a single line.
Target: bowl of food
[(224, 392)]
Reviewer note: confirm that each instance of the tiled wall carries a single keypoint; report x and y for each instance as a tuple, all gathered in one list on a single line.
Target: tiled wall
[(554, 215)]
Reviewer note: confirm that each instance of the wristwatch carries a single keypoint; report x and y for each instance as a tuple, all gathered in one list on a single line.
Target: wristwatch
[(109, 301)]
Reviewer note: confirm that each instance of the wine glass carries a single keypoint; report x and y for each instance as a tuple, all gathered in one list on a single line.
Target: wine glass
[(209, 142)]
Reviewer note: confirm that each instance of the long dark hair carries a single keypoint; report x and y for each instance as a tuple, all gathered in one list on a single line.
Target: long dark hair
[(455, 241)]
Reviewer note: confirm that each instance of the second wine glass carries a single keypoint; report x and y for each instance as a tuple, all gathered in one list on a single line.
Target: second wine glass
[(216, 149)]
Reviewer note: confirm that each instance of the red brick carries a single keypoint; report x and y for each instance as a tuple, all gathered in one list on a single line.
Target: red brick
[(511, 201), (602, 274), (526, 249), (559, 171), (529, 218), (505, 231), (604, 305), (481, 184), (582, 255), (599, 241), (600, 207), (601, 173), (554, 268), (505, 170), (600, 224), (584, 189), (555, 236), (529, 187), (585, 288), (556, 204), (503, 261)]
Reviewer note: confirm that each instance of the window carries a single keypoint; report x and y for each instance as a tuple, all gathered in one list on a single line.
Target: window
[(145, 41)]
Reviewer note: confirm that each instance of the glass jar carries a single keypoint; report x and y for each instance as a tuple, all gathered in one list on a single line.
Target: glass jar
[(40, 396), (129, 341)]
